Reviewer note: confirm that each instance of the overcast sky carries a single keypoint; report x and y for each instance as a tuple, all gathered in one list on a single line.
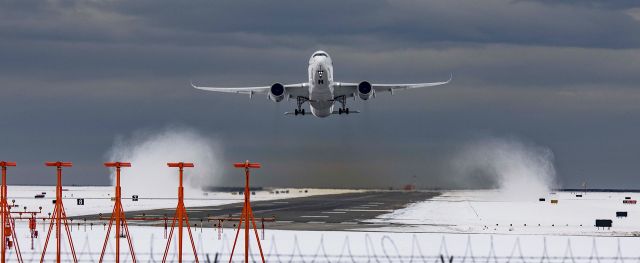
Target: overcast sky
[(74, 76)]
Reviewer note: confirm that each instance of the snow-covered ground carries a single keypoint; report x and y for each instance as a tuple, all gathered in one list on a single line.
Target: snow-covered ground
[(343, 246), (461, 224), (492, 212)]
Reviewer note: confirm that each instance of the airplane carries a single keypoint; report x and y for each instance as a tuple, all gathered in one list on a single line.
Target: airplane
[(321, 91)]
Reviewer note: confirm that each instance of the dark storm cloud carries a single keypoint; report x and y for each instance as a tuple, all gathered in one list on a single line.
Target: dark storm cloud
[(200, 37), (410, 22), (75, 75), (198, 22), (617, 5)]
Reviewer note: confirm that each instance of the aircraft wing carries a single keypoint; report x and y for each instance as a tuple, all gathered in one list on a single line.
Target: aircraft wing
[(299, 89), (343, 88)]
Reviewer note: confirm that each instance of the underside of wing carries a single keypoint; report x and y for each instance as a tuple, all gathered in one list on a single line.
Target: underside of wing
[(392, 87), (364, 89), (242, 90), (298, 89)]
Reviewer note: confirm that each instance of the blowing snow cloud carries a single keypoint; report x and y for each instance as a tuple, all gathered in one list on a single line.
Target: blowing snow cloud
[(516, 168), (149, 153)]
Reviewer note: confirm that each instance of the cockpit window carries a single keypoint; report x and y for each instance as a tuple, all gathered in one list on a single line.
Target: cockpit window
[(320, 55)]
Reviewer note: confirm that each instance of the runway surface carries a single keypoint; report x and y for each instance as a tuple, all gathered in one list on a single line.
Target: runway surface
[(320, 213)]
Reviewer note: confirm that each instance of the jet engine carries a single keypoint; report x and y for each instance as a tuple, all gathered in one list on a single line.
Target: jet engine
[(276, 92), (365, 91)]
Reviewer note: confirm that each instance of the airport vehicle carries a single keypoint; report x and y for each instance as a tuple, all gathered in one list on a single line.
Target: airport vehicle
[(321, 91)]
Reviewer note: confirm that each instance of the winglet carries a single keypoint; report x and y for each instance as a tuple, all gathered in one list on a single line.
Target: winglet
[(450, 77)]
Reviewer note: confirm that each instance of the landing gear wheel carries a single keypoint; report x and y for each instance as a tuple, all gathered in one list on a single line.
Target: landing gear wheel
[(300, 101), (343, 102), (295, 112)]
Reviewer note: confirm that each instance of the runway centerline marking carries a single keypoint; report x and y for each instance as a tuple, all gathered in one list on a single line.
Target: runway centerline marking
[(364, 210)]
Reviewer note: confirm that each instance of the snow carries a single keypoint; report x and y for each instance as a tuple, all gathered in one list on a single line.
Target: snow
[(345, 246), (461, 224), (492, 212)]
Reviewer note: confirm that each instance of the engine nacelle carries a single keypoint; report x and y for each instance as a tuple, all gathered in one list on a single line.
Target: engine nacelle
[(276, 92), (365, 91)]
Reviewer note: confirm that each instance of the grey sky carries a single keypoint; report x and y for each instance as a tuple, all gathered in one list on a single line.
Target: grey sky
[(75, 75)]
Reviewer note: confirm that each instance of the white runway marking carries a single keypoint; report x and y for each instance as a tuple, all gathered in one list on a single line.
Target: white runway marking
[(365, 210), (203, 209), (315, 216), (316, 222), (334, 212)]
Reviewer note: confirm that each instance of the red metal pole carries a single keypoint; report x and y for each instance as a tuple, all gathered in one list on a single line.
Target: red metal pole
[(59, 214), (4, 210), (247, 213), (180, 207), (6, 217), (58, 211), (235, 240), (181, 215), (118, 215), (246, 216)]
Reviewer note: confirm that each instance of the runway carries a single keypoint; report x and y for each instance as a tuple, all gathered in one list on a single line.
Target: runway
[(320, 213)]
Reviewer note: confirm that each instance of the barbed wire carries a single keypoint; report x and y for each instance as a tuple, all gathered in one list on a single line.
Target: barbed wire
[(334, 248)]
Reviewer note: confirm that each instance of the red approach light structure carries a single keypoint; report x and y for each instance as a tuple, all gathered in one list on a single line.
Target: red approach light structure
[(180, 216), (59, 216), (118, 217), (8, 224), (247, 214)]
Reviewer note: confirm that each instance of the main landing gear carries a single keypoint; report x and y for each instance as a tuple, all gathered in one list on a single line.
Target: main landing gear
[(343, 103), (300, 110)]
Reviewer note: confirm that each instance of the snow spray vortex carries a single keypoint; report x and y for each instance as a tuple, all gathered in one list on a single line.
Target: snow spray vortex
[(149, 153), (517, 169)]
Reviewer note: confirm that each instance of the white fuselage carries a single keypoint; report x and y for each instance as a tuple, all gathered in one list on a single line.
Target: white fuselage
[(321, 97)]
